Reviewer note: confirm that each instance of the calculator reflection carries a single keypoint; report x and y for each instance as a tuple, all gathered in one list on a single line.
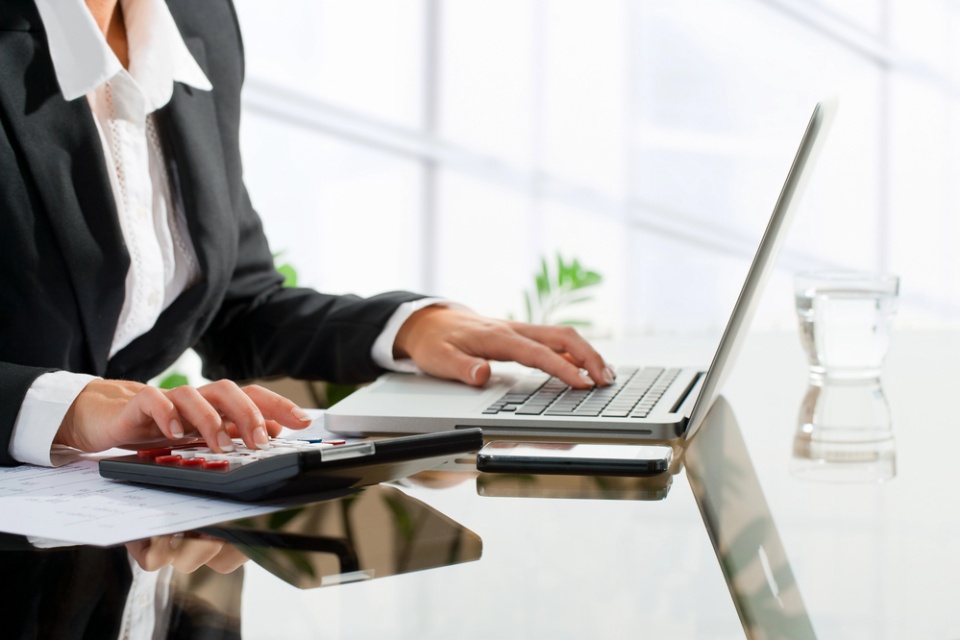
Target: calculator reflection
[(372, 533)]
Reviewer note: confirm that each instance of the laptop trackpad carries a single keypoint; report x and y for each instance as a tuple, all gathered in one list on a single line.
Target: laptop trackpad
[(407, 384)]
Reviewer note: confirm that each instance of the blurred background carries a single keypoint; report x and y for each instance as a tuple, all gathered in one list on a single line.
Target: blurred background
[(446, 146)]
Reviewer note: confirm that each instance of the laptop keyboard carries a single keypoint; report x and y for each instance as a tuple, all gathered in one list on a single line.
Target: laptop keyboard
[(634, 394)]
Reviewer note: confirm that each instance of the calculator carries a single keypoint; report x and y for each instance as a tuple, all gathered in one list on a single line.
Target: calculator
[(288, 467)]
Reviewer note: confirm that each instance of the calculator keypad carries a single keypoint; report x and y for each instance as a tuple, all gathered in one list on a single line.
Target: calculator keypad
[(199, 456)]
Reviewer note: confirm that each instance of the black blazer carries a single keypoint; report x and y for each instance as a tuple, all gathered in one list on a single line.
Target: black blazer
[(62, 257)]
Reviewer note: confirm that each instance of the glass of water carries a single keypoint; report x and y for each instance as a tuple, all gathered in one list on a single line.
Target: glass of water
[(845, 320), (844, 431)]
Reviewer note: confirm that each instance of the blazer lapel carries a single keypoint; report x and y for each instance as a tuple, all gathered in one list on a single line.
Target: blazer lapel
[(61, 149)]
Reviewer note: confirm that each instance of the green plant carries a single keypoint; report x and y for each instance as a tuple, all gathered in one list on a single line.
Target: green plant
[(555, 290), (173, 380), (286, 270)]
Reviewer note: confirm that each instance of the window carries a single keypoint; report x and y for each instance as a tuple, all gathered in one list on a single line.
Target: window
[(446, 145)]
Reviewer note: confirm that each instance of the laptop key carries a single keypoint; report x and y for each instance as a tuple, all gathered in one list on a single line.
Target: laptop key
[(530, 411), (587, 413)]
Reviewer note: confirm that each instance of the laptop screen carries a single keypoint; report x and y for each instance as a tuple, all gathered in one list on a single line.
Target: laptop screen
[(763, 260)]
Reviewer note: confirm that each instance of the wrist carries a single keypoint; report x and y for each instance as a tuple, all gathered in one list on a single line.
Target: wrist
[(410, 331), (65, 434)]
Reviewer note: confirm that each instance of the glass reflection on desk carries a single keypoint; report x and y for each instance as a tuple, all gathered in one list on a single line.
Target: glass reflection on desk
[(844, 432)]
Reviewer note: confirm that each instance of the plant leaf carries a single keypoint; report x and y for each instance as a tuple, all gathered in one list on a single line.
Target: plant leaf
[(337, 392), (577, 300), (563, 272), (173, 381), (543, 289), (591, 278), (289, 275), (576, 323), (543, 281)]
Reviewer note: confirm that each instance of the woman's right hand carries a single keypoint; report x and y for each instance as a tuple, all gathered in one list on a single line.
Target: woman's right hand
[(120, 413)]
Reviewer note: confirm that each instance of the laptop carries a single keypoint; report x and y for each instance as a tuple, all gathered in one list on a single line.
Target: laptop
[(647, 403)]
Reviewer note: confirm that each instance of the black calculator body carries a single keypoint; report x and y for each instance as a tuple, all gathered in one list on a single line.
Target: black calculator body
[(289, 467)]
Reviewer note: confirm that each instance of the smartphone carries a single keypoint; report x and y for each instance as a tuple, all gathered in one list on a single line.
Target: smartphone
[(574, 458)]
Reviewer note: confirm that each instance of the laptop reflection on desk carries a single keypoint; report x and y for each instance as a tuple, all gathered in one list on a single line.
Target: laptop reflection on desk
[(645, 403), (741, 528)]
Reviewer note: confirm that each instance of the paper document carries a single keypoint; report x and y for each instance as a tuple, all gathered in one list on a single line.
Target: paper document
[(74, 504)]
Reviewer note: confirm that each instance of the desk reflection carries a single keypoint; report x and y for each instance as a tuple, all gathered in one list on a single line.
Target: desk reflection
[(741, 528), (189, 585), (377, 532), (732, 506)]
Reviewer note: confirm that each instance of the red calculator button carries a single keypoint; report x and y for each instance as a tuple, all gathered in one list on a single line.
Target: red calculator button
[(192, 462), (153, 453), (335, 442), (167, 459), (216, 464)]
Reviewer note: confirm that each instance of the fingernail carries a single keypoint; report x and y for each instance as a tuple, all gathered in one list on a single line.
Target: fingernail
[(302, 415), (260, 438), (473, 372), (176, 540), (586, 378), (176, 429), (224, 441), (609, 376)]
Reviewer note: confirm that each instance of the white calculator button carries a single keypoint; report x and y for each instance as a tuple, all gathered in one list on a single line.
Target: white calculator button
[(282, 450)]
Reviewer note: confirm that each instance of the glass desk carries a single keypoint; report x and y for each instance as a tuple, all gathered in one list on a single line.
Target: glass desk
[(450, 554)]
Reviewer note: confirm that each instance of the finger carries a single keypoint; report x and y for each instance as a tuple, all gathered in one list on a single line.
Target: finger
[(228, 560), (568, 340), (153, 553), (138, 551), (195, 553), (150, 405), (451, 362), (201, 416), (236, 406), (274, 428), (509, 345), (535, 354), (274, 406)]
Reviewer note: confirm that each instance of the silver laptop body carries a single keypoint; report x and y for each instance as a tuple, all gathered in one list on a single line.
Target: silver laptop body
[(666, 404)]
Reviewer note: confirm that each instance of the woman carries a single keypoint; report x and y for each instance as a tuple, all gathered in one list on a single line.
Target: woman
[(127, 237)]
